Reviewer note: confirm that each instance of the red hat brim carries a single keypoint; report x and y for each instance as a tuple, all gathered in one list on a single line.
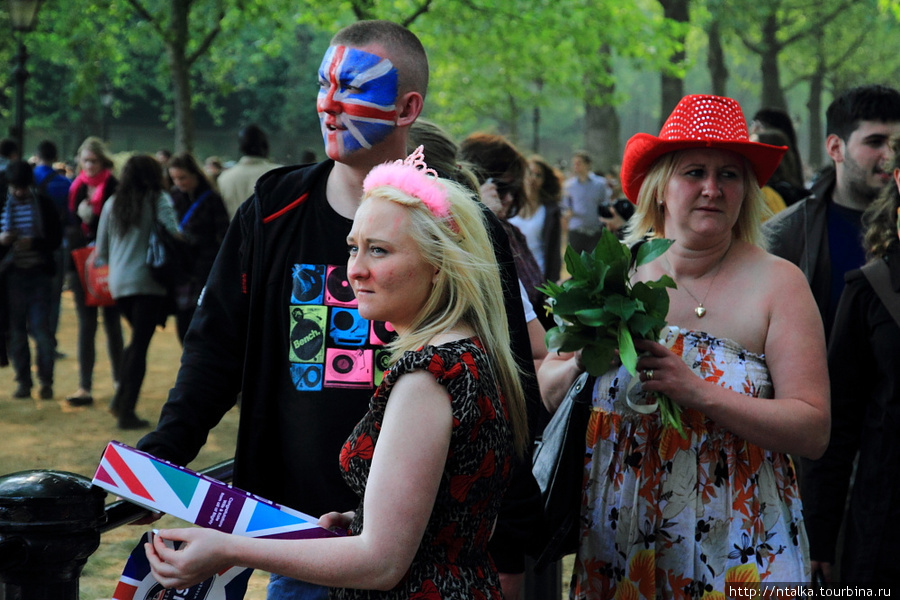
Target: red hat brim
[(643, 149)]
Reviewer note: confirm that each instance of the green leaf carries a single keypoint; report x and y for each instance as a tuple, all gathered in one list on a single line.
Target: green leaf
[(621, 306), (594, 317), (664, 281), (652, 249), (597, 357), (571, 301), (575, 265), (627, 353), (569, 339), (644, 326), (670, 414), (599, 272), (610, 250), (550, 289), (654, 298)]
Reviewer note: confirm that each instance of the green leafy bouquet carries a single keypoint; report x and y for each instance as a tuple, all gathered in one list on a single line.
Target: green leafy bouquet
[(599, 310)]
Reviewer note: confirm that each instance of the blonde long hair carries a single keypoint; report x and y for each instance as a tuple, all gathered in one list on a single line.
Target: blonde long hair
[(467, 288)]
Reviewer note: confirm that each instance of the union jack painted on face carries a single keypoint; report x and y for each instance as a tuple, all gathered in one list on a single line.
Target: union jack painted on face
[(357, 91)]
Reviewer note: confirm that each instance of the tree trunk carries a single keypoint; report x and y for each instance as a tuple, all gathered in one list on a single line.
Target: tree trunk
[(176, 49), (184, 115), (601, 121), (718, 69), (672, 89), (601, 136), (814, 105), (772, 93), (536, 120), (512, 121)]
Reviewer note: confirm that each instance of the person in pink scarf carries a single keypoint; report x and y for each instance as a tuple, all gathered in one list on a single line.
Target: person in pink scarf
[(94, 184)]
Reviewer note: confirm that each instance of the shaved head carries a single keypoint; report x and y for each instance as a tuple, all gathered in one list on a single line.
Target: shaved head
[(400, 46)]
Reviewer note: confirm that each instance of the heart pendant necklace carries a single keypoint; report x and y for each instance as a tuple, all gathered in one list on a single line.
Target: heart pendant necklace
[(700, 311)]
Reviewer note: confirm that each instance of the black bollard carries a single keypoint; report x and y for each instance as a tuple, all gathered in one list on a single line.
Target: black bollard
[(49, 526)]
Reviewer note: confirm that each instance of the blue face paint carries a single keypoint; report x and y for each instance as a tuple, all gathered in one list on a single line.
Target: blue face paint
[(357, 91)]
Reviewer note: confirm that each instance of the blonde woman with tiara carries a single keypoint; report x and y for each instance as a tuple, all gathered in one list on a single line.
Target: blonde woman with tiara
[(432, 457)]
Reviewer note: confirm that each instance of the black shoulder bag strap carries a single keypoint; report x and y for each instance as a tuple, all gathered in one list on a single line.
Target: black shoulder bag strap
[(879, 277)]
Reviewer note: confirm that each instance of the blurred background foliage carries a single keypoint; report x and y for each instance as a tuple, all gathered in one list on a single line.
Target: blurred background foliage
[(553, 75)]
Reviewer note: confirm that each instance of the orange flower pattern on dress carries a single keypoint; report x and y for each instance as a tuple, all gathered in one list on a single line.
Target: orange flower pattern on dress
[(667, 517)]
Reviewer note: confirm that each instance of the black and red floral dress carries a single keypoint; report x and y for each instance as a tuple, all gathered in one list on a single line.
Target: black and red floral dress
[(452, 560)]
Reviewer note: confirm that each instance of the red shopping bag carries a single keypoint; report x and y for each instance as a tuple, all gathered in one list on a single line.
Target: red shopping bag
[(94, 280)]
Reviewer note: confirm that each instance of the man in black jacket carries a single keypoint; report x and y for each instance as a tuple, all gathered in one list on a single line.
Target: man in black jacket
[(274, 322), (30, 232), (821, 234)]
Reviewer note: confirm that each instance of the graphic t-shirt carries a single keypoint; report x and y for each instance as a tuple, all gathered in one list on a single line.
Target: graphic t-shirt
[(331, 345), (328, 359)]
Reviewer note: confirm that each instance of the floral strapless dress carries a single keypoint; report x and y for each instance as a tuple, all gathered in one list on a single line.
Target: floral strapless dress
[(667, 517)]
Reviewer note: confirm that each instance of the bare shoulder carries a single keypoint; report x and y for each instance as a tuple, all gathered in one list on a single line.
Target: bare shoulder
[(773, 271), (785, 292)]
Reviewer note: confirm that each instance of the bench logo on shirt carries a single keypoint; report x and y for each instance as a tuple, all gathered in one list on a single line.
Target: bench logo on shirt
[(331, 345)]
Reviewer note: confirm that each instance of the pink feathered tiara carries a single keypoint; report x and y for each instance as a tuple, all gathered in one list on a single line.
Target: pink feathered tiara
[(413, 177)]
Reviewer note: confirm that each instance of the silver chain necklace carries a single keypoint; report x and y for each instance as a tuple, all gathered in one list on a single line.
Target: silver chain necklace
[(700, 311)]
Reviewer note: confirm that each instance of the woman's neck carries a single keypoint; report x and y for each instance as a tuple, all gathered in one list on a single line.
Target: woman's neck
[(695, 263)]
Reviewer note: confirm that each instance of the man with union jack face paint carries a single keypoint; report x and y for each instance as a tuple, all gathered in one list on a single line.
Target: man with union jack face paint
[(276, 322), (356, 100)]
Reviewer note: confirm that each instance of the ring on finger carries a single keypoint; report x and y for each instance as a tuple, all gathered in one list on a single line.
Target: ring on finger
[(649, 374)]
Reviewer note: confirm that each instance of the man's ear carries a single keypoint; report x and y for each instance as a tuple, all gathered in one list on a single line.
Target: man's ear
[(409, 107), (897, 178), (834, 145)]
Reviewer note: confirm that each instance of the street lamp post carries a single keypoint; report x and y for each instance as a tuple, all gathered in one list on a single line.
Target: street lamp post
[(22, 19)]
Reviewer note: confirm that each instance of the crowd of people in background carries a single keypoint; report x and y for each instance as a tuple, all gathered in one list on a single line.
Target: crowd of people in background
[(34, 279), (272, 311)]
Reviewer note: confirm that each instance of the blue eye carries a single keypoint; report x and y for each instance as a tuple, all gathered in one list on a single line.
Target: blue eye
[(352, 250)]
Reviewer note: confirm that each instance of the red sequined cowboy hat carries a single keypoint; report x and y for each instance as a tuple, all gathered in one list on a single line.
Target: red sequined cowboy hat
[(699, 121)]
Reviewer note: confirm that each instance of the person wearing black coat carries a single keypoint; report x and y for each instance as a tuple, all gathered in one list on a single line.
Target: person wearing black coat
[(864, 366)]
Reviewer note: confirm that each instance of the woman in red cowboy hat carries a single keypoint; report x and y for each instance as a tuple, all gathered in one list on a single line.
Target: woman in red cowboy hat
[(665, 514)]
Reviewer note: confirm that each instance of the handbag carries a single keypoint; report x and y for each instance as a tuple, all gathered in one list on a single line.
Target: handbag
[(167, 257), (94, 279), (558, 467)]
